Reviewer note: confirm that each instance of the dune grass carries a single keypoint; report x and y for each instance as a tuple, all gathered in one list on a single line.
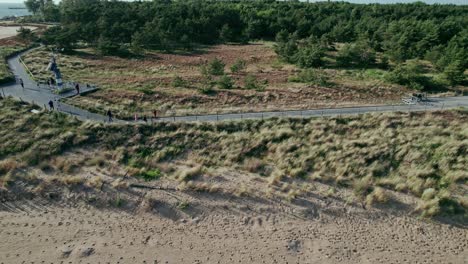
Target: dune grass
[(5, 73), (421, 154)]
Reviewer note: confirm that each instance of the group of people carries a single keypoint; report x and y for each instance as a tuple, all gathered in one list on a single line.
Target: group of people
[(110, 116), (51, 82)]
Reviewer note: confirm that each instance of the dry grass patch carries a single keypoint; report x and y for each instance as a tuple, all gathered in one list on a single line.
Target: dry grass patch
[(174, 83)]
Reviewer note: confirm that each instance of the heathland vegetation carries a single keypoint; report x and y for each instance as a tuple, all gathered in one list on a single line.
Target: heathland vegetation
[(266, 54), (303, 31), (373, 158)]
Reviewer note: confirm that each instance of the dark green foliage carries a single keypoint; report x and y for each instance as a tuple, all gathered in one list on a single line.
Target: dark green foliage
[(45, 10), (310, 56), (216, 67), (238, 66), (252, 83), (312, 76), (454, 72), (5, 74), (150, 175), (178, 82), (225, 82), (226, 34), (62, 38), (410, 74), (286, 46), (402, 31), (356, 54), (26, 35)]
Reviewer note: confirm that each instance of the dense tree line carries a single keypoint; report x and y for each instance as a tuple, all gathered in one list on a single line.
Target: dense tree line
[(303, 31)]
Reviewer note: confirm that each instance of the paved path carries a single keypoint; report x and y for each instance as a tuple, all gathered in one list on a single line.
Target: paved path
[(41, 96), (432, 104)]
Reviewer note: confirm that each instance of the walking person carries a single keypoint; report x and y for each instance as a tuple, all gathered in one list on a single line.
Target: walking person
[(21, 83), (109, 114), (51, 105), (57, 104), (77, 88)]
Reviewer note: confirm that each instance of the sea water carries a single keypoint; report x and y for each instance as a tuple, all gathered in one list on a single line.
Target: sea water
[(5, 10)]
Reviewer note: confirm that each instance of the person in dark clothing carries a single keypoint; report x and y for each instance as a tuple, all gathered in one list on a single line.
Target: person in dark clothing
[(109, 114), (145, 119), (51, 105), (22, 83), (77, 88)]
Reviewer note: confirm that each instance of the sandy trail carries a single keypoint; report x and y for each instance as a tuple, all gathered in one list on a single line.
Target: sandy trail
[(6, 32), (85, 234)]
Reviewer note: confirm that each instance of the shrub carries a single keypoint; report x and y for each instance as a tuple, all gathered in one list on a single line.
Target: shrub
[(429, 208), (252, 83), (454, 73), (216, 67), (362, 187), (286, 46), (377, 195), (409, 74), (225, 82), (310, 56), (178, 82), (428, 194), (207, 88), (312, 76), (150, 175), (255, 165), (8, 165), (358, 54), (238, 66), (119, 202), (26, 34), (183, 205), (190, 174)]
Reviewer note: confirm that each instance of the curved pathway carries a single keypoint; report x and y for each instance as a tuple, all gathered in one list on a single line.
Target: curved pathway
[(41, 96)]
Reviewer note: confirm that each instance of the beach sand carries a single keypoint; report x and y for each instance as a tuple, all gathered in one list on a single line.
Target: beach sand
[(6, 32), (36, 231)]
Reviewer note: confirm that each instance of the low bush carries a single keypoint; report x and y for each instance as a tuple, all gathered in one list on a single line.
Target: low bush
[(225, 82), (178, 82), (251, 83), (238, 66), (216, 67), (312, 76), (150, 175)]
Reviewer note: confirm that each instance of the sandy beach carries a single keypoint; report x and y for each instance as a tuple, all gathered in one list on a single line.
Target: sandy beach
[(218, 230), (6, 32)]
